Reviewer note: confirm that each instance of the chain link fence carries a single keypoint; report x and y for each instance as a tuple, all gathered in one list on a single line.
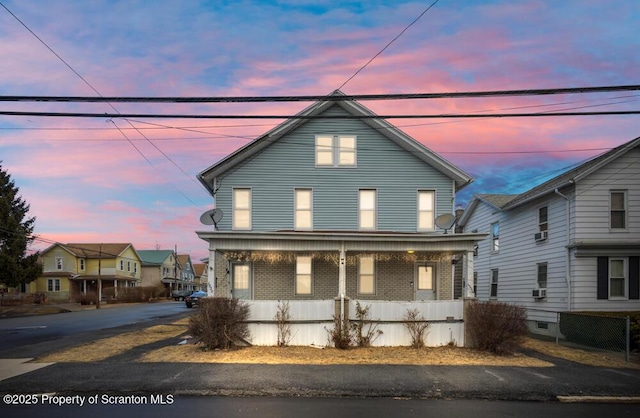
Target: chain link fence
[(600, 332)]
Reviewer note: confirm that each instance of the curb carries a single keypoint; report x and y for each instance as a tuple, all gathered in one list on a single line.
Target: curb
[(599, 399)]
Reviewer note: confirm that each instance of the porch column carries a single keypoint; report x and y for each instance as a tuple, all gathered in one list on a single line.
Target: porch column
[(342, 273), (211, 273), (468, 275)]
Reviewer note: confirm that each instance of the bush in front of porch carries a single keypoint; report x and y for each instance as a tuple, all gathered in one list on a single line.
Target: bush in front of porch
[(220, 323), (496, 327)]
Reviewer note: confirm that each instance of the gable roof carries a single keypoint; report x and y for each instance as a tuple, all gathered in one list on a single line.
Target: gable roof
[(352, 107), (199, 269), (510, 201), (154, 257), (91, 250), (574, 175)]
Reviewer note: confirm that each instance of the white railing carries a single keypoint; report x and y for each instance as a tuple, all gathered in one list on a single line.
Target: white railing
[(310, 321)]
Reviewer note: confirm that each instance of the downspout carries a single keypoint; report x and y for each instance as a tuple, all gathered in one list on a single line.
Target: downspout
[(567, 255)]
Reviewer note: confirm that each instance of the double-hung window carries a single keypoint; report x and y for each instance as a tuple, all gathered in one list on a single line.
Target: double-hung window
[(367, 213), (493, 292), (58, 263), (366, 276), (53, 285), (242, 209), (617, 277), (303, 211), (303, 275), (543, 224), (495, 237), (542, 275), (335, 151), (82, 264), (618, 218), (426, 206)]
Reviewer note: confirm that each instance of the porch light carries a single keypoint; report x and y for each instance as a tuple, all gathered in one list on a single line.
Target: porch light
[(410, 251)]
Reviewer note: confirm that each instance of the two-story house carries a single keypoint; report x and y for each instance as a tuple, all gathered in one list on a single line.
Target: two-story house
[(159, 268), (569, 244), (70, 270), (334, 203), (186, 274)]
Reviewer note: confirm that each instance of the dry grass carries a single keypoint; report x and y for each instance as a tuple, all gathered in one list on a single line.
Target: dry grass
[(193, 353)]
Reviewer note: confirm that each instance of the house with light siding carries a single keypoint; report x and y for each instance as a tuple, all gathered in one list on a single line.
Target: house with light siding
[(159, 268), (334, 203), (571, 244), (76, 269)]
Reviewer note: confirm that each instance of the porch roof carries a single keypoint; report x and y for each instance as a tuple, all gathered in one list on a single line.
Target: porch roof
[(336, 240)]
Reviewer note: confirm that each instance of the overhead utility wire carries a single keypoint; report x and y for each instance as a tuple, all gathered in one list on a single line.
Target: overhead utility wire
[(425, 116), (102, 99), (314, 98), (388, 45)]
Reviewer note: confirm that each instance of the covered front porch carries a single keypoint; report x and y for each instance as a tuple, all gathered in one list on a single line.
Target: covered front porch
[(289, 265)]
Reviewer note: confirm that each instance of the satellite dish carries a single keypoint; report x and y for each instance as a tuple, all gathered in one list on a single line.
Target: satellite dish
[(445, 221), (211, 217)]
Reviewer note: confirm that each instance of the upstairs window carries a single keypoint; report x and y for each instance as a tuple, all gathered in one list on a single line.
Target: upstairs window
[(241, 208), (543, 224), (335, 151), (367, 209), (495, 237), (82, 264), (426, 205), (303, 211), (618, 206), (58, 263)]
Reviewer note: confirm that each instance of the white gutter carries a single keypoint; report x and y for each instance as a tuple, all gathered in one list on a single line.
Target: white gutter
[(567, 255)]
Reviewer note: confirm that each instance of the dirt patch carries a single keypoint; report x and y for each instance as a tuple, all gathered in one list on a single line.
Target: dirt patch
[(191, 352), (30, 310)]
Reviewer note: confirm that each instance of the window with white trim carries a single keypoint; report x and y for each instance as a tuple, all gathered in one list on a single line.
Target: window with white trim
[(53, 285), (335, 151), (122, 265), (303, 211), (493, 292), (542, 275), (617, 201), (242, 209), (426, 210), (495, 237), (366, 275), (58, 263), (82, 265), (367, 212), (543, 224), (617, 278), (303, 275)]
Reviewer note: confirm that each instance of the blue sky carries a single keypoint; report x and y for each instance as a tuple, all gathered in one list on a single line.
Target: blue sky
[(91, 180)]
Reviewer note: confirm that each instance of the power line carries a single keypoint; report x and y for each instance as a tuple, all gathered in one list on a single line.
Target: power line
[(324, 98), (341, 117)]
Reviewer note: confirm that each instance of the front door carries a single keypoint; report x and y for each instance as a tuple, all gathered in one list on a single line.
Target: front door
[(425, 282), (241, 281)]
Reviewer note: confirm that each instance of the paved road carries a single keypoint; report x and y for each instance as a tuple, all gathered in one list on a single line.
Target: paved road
[(24, 332), (266, 407)]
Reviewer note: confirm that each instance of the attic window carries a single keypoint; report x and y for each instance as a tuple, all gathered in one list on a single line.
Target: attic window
[(335, 151)]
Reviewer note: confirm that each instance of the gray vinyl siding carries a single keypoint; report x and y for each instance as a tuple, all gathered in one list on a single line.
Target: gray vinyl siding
[(592, 200), (289, 163), (519, 254)]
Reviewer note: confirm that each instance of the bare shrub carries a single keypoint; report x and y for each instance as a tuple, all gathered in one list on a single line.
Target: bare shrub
[(340, 334), (495, 326), (282, 318), (220, 323), (365, 330), (417, 327)]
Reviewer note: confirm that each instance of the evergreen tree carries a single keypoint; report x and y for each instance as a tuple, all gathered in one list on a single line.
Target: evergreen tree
[(16, 233)]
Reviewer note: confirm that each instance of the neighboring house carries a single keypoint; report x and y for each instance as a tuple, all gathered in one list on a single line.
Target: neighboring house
[(570, 244), (200, 271), (334, 203), (159, 268), (70, 270), (186, 275)]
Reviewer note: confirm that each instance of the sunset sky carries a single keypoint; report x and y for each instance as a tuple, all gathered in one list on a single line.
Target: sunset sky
[(102, 180)]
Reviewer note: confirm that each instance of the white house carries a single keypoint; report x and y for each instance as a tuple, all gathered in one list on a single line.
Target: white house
[(571, 244)]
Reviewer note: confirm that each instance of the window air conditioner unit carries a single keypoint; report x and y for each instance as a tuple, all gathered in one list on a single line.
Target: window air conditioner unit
[(539, 293), (541, 236)]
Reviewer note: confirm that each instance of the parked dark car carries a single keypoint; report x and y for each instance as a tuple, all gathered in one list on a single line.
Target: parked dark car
[(181, 294), (192, 299)]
